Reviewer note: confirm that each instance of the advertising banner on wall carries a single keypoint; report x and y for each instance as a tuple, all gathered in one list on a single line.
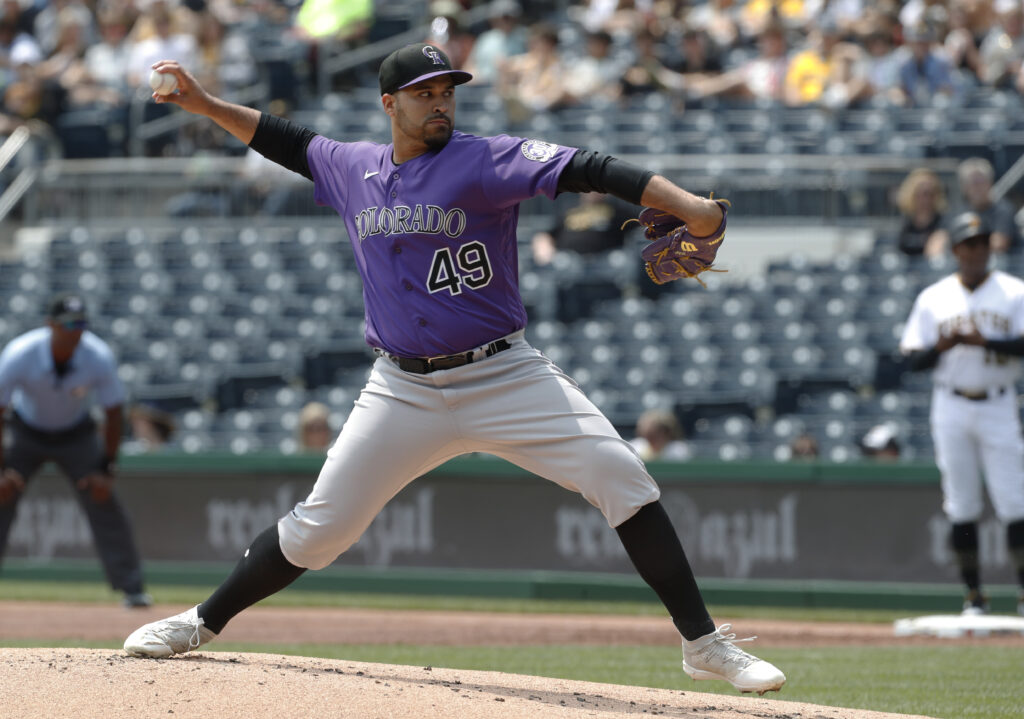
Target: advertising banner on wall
[(475, 518)]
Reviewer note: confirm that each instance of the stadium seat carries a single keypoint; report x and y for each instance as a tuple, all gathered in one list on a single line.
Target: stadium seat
[(322, 365), (88, 134), (237, 379)]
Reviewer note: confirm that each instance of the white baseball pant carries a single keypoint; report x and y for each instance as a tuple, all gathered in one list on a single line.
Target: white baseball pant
[(976, 439), (516, 405)]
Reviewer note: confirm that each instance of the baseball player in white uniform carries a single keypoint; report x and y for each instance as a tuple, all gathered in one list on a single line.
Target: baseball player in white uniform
[(432, 221), (969, 329)]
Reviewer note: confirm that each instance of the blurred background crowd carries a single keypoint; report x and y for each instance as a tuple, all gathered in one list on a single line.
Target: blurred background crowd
[(68, 56), (883, 116)]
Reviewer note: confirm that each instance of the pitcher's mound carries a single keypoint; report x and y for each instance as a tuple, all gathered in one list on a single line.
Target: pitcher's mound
[(107, 684)]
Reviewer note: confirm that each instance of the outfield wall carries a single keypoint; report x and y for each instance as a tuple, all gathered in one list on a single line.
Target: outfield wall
[(738, 521)]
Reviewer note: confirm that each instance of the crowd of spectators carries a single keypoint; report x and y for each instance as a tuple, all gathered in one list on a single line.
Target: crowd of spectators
[(800, 53), (64, 55), (925, 210)]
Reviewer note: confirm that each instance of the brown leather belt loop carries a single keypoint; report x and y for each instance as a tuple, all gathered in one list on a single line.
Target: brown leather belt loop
[(426, 365)]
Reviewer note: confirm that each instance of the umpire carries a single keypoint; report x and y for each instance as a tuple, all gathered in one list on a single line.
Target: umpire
[(50, 377)]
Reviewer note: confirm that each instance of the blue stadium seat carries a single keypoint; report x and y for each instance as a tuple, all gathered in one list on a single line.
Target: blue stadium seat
[(173, 397), (787, 427), (237, 379), (90, 133), (797, 361), (835, 404)]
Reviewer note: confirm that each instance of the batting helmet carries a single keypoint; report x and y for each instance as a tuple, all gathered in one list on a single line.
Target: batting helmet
[(967, 225)]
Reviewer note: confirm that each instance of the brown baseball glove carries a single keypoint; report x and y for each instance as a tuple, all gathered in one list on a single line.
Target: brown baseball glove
[(674, 253)]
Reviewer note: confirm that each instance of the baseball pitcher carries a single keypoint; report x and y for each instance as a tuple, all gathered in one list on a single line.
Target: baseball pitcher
[(432, 220)]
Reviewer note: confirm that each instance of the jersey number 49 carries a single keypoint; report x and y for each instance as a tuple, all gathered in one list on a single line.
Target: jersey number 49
[(470, 267)]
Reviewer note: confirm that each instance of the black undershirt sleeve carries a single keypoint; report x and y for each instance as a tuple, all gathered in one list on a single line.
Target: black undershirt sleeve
[(590, 171), (922, 359), (283, 142), (1013, 347)]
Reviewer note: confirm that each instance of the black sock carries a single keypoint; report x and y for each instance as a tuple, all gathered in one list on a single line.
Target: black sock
[(653, 545), (260, 572), (1015, 541), (964, 538)]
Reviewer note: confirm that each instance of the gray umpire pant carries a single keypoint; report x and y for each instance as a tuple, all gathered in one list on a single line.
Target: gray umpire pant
[(78, 452)]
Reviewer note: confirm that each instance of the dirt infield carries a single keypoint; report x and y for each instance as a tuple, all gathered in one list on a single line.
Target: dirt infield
[(86, 683), (106, 684)]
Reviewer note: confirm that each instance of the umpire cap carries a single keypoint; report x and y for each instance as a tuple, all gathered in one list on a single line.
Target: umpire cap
[(67, 308), (414, 63), (967, 225)]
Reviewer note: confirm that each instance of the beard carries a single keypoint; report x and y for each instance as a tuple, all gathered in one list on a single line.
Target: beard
[(438, 137)]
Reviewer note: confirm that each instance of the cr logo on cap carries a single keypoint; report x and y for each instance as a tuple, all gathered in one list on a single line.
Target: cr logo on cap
[(434, 55)]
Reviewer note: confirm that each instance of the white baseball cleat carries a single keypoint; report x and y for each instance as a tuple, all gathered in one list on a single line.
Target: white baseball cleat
[(715, 656), (174, 635)]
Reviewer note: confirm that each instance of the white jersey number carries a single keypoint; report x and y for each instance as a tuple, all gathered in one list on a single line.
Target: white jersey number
[(474, 269)]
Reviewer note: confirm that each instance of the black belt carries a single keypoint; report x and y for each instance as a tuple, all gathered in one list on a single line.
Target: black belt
[(426, 365), (83, 428), (979, 396)]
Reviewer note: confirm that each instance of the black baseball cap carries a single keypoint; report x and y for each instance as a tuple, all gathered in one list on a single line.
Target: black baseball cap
[(967, 225), (67, 308), (415, 63)]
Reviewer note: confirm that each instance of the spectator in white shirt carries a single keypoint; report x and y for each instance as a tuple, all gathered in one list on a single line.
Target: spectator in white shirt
[(659, 436)]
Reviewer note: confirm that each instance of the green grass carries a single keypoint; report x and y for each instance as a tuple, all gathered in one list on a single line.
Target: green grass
[(955, 682), (96, 592)]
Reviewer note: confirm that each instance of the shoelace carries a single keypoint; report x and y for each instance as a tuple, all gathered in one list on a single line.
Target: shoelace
[(194, 639), (726, 650), (731, 637)]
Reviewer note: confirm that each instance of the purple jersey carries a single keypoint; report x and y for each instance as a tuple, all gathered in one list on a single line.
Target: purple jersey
[(435, 237)]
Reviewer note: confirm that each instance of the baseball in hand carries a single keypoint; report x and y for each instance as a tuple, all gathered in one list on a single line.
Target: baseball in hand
[(163, 83)]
